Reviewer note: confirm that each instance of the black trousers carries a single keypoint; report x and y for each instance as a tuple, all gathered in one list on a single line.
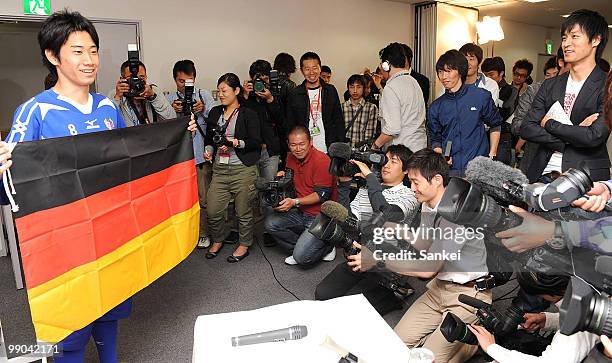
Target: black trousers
[(342, 281)]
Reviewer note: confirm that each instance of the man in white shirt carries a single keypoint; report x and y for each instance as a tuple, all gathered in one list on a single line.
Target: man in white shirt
[(402, 107), (453, 263)]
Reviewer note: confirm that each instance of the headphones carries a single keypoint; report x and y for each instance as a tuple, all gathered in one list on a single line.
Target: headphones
[(385, 66)]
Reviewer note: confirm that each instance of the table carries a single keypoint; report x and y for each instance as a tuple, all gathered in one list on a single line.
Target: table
[(350, 321)]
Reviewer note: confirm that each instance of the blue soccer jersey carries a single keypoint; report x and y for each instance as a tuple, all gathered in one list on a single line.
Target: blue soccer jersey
[(48, 115)]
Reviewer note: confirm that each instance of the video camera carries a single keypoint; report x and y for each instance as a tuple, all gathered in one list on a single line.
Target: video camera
[(585, 309), (335, 226), (503, 324), (500, 323), (137, 85), (341, 153), (271, 193), (564, 190)]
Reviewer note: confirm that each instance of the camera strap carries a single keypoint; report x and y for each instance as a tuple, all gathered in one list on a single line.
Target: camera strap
[(226, 124), (350, 125), (142, 118)]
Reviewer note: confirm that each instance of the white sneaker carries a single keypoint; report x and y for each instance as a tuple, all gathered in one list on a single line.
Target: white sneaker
[(204, 242), (330, 256), (290, 261)]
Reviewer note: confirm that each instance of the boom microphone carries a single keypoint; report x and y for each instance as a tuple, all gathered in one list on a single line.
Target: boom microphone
[(490, 176), (340, 150), (292, 333)]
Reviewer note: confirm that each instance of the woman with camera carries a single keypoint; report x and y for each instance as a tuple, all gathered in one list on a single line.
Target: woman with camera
[(233, 146)]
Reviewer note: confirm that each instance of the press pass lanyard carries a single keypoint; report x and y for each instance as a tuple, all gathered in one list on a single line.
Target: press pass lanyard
[(314, 119), (225, 126)]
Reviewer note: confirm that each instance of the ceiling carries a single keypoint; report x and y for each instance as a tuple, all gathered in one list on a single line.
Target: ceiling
[(545, 13)]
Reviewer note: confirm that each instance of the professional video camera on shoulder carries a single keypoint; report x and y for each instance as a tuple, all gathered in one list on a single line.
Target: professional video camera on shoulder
[(271, 193), (341, 152), (137, 85)]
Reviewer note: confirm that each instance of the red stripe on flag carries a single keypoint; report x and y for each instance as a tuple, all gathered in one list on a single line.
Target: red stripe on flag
[(59, 239)]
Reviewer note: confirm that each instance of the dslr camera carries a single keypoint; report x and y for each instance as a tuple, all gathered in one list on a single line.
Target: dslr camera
[(137, 85), (341, 153), (219, 138), (271, 193)]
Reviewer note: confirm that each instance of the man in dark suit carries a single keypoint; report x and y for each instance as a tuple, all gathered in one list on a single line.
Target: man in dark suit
[(580, 92), (315, 105), (422, 80)]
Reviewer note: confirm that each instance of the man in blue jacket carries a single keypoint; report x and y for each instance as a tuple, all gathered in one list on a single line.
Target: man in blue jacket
[(460, 116)]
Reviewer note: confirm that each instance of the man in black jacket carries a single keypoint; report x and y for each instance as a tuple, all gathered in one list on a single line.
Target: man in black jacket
[(315, 105), (270, 115), (422, 80), (581, 94)]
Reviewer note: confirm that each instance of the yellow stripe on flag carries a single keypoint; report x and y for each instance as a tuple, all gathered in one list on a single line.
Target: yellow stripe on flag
[(81, 295)]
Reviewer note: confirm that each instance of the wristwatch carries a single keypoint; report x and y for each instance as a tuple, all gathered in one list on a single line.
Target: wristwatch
[(381, 264), (297, 202), (557, 242)]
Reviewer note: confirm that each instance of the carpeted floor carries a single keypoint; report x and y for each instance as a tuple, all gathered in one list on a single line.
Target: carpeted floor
[(160, 328)]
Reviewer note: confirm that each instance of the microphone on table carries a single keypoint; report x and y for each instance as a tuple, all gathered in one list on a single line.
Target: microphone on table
[(292, 333)]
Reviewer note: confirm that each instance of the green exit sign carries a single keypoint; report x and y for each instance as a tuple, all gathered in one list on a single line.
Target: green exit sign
[(549, 47), (37, 7)]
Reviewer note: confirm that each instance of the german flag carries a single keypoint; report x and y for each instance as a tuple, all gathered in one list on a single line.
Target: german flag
[(101, 216)]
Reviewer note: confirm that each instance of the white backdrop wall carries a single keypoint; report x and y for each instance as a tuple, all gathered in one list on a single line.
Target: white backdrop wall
[(226, 36)]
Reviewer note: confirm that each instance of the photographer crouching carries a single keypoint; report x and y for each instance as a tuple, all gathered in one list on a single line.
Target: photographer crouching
[(289, 222), (347, 278), (451, 275)]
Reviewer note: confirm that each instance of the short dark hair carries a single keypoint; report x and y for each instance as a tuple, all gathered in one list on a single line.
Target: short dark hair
[(473, 50), (408, 53), (560, 55), (453, 59), (326, 69), (261, 67), (50, 81), (185, 66), (308, 56), (298, 129), (232, 80), (56, 29), (523, 64), (535, 283), (551, 63), (493, 64), (394, 54), (429, 163), (592, 23), (402, 152), (126, 64), (356, 78), (284, 63), (604, 65)]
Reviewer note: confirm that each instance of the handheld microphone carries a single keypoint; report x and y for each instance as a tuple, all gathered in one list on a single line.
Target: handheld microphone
[(292, 333), (490, 176)]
